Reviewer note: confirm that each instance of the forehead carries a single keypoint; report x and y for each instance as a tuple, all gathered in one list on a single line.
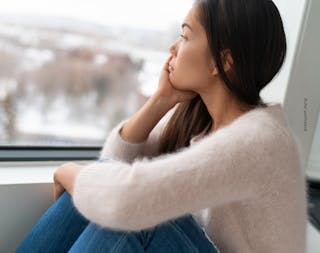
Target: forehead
[(192, 20), (198, 32)]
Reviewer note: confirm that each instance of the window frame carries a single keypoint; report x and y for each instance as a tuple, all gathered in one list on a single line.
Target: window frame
[(48, 153)]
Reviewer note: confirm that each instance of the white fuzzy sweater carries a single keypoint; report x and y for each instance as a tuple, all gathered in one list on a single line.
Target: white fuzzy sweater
[(243, 183)]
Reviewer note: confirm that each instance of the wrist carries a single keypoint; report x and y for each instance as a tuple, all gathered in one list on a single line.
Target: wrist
[(163, 103), (66, 174)]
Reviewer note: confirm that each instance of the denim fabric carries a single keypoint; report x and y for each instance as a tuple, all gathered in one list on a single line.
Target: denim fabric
[(63, 229)]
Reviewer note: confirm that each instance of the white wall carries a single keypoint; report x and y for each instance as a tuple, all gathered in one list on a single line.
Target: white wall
[(21, 207)]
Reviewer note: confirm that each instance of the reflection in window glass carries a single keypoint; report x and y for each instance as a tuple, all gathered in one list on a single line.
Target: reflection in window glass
[(69, 73)]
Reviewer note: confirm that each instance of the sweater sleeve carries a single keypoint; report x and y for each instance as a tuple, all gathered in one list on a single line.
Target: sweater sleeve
[(116, 148), (227, 166)]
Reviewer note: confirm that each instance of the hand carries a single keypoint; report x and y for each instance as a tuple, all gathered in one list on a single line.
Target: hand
[(166, 89), (58, 190), (64, 178)]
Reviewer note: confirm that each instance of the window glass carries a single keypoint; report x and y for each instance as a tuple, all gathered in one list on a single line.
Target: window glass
[(70, 70)]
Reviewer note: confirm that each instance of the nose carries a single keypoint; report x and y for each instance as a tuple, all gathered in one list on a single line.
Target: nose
[(173, 48)]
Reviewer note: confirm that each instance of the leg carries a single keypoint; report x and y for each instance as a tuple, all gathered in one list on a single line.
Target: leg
[(56, 230), (183, 235), (96, 239)]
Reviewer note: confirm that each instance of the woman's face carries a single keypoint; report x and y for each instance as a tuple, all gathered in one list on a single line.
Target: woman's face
[(191, 64)]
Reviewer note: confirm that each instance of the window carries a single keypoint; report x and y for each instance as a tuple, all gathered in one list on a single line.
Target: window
[(69, 71)]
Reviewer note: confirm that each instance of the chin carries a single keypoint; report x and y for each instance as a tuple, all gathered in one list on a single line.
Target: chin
[(172, 81), (176, 84), (178, 87)]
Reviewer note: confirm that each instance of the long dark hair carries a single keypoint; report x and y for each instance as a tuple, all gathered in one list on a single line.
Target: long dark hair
[(253, 31)]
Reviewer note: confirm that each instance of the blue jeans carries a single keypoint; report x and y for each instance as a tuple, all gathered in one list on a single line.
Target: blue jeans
[(63, 229)]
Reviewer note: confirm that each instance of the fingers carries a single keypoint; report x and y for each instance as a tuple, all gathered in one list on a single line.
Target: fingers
[(169, 59), (57, 191), (55, 194), (166, 65)]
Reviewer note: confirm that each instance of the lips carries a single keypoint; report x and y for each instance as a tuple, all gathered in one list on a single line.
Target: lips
[(171, 68)]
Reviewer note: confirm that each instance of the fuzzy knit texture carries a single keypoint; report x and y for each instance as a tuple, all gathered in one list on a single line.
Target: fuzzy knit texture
[(244, 184)]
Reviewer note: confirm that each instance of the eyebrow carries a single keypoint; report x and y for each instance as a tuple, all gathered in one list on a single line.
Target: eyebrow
[(185, 24)]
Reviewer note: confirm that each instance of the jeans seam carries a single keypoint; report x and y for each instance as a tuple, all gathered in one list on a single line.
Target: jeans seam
[(184, 236), (118, 243)]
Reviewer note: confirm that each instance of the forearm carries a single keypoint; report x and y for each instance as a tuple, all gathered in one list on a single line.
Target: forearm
[(139, 126)]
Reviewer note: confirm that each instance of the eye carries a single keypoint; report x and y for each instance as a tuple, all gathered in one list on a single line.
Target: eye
[(182, 36)]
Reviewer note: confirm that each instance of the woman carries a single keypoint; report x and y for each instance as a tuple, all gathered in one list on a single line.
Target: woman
[(222, 175)]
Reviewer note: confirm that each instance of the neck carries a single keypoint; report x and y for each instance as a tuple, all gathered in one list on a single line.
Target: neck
[(223, 107)]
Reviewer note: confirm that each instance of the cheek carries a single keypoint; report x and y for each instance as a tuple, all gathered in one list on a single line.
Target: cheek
[(191, 68)]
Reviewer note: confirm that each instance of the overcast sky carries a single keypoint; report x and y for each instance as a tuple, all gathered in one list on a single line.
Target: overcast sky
[(159, 14)]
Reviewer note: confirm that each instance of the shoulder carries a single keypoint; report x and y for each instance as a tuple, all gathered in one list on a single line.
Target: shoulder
[(254, 132), (266, 133)]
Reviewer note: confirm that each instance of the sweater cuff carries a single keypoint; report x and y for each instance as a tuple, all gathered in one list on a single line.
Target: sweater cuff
[(115, 147), (81, 192)]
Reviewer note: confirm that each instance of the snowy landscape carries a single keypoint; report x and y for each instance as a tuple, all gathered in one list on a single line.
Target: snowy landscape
[(66, 81)]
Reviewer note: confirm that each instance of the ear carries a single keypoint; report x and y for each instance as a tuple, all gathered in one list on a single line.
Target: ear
[(227, 60)]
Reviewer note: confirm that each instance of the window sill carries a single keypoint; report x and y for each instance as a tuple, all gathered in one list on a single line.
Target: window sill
[(29, 172)]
